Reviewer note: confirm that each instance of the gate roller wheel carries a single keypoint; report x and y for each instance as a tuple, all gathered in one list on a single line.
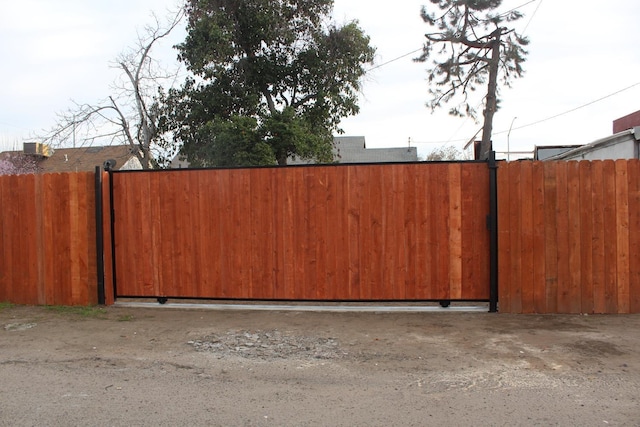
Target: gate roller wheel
[(445, 303), (163, 300)]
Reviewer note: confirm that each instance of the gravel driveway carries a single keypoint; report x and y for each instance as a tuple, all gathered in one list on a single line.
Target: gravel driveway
[(123, 366)]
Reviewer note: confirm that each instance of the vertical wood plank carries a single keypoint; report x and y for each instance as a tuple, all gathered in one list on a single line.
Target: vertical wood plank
[(441, 229), (210, 213), (527, 254), (372, 237), (60, 245), (198, 231), (564, 271), (633, 174), (287, 229), (515, 220), (39, 231), (610, 238), (357, 219), (243, 227), (481, 235), (410, 261), (398, 218), (310, 254), (337, 277), (10, 247), (90, 275), (321, 197), (598, 240), (504, 237), (74, 227), (27, 239), (622, 233), (573, 214), (301, 251), (225, 233), (468, 249), (587, 238), (551, 239), (539, 226), (424, 247), (455, 230), (342, 250), (256, 255)]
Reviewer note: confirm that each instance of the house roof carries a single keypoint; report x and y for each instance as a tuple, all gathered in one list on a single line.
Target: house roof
[(629, 134), (85, 159), (353, 149)]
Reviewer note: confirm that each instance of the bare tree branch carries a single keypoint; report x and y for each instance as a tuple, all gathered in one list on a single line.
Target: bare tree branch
[(127, 115)]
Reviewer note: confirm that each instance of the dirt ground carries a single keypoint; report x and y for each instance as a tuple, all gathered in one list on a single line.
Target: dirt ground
[(159, 366)]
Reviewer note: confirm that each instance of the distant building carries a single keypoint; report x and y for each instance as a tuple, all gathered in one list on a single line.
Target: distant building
[(84, 159), (353, 149), (545, 152), (623, 144)]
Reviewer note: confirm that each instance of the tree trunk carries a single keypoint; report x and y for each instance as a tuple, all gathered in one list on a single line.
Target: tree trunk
[(492, 97), (282, 159)]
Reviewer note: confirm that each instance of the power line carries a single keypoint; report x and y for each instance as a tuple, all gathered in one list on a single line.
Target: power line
[(573, 109), (393, 60), (531, 18), (537, 122)]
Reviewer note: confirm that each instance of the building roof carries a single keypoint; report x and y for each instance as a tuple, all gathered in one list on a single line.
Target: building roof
[(85, 159), (544, 152), (600, 144), (353, 149)]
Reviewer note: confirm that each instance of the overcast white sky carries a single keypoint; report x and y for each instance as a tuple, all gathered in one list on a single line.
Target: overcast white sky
[(581, 50)]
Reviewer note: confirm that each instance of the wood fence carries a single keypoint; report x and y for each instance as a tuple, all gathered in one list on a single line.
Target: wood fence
[(569, 234), (569, 237), (47, 239), (366, 232)]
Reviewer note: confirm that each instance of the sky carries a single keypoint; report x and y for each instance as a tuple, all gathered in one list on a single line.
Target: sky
[(582, 71)]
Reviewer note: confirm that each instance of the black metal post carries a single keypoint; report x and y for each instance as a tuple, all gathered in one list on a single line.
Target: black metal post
[(493, 230), (99, 237)]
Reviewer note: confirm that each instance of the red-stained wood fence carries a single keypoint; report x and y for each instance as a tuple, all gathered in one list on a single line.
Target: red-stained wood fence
[(569, 237), (47, 239), (344, 232)]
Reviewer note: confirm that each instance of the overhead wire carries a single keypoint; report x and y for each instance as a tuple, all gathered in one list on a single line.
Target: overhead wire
[(421, 48), (573, 109)]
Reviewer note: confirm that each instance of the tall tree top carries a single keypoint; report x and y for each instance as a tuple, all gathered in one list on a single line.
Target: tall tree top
[(474, 48)]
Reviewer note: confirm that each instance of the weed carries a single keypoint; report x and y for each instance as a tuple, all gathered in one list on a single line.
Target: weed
[(125, 318), (82, 311), (4, 305)]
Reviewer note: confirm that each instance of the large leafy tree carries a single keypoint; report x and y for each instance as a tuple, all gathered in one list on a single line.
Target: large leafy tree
[(271, 79), (470, 47)]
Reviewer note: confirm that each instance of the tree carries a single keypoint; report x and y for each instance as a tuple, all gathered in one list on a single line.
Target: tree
[(18, 164), (445, 153), (272, 79), (130, 115), (474, 48)]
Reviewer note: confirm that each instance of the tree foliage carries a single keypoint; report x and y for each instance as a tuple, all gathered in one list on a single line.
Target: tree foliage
[(272, 79), (445, 153), (470, 48), (12, 163)]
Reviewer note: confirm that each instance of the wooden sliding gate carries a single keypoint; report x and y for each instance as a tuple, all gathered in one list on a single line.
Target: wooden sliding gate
[(339, 233)]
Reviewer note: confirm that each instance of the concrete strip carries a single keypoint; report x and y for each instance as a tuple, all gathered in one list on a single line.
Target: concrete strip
[(315, 308)]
